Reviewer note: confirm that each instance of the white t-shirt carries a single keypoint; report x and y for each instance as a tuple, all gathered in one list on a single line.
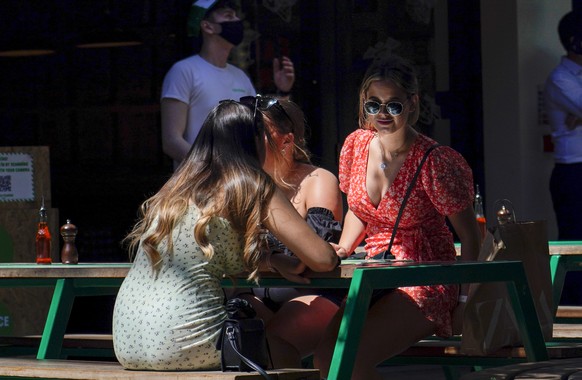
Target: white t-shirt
[(563, 97), (202, 86)]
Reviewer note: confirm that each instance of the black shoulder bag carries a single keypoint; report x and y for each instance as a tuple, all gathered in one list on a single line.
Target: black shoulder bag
[(243, 342), (384, 255)]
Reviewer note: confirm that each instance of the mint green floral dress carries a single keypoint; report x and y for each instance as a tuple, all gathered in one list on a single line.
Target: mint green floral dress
[(170, 320)]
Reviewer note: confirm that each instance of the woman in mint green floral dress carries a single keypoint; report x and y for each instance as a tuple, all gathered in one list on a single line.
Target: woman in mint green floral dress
[(204, 223)]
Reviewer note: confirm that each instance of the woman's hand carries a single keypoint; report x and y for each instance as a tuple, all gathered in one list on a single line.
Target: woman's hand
[(283, 74), (340, 251), (290, 267)]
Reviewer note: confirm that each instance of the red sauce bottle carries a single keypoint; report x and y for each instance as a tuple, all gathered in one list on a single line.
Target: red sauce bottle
[(479, 213), (43, 239)]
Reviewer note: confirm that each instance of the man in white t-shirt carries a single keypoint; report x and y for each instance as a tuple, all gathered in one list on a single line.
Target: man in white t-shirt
[(194, 85)]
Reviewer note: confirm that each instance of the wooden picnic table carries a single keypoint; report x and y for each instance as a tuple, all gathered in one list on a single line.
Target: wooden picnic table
[(69, 281), (361, 278), (565, 256), (365, 277)]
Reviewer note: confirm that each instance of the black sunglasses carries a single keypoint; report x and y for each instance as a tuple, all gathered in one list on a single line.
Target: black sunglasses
[(372, 107), (263, 103), (260, 102)]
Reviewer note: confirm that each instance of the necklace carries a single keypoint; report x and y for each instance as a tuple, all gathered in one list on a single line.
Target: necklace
[(393, 153)]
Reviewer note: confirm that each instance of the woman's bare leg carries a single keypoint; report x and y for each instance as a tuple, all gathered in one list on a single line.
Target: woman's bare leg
[(296, 329), (393, 324)]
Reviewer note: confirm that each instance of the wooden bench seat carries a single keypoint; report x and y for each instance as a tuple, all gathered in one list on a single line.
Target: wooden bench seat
[(552, 369), (447, 352), (70, 341), (569, 314), (567, 331), (87, 345), (32, 368)]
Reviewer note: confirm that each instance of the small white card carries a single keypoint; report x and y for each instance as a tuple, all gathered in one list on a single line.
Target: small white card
[(16, 177)]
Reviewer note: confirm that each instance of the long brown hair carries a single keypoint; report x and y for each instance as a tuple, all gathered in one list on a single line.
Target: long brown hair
[(222, 176), (287, 117)]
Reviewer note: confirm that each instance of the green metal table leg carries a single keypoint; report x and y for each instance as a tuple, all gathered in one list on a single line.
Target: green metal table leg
[(348, 338), (451, 372), (56, 323), (529, 328), (558, 269)]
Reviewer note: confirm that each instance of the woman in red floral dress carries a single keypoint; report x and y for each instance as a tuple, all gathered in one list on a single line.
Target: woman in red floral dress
[(377, 164)]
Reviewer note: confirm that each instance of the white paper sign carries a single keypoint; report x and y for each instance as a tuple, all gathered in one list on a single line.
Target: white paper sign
[(16, 177)]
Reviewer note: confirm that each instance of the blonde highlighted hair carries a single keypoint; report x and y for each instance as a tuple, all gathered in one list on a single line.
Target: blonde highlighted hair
[(222, 177), (398, 70)]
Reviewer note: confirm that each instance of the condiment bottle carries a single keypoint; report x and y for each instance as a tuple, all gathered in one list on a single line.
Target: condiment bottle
[(43, 238), (69, 254), (504, 216), (479, 213)]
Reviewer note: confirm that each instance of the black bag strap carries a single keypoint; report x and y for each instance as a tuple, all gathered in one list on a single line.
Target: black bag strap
[(231, 337), (385, 254)]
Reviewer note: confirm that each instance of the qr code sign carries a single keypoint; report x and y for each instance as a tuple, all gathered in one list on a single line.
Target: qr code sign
[(5, 183)]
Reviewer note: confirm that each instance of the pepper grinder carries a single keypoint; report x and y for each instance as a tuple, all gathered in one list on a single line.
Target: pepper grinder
[(69, 254)]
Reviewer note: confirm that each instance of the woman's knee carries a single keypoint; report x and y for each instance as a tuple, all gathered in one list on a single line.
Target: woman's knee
[(322, 360), (323, 353)]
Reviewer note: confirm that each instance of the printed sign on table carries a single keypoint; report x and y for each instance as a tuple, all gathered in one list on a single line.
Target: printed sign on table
[(16, 177)]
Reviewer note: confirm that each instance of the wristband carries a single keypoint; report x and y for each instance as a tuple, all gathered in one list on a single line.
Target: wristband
[(462, 299)]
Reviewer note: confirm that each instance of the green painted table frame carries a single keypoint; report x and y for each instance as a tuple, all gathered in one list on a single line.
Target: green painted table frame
[(562, 263), (69, 282), (66, 289), (565, 256), (103, 279), (365, 279)]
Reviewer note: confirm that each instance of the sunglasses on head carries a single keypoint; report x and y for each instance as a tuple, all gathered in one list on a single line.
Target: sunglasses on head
[(260, 102), (263, 103), (372, 107)]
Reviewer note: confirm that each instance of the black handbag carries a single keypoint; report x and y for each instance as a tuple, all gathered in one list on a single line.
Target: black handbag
[(243, 342)]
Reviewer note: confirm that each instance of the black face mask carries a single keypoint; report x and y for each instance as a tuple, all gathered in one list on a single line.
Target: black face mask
[(576, 43), (232, 31)]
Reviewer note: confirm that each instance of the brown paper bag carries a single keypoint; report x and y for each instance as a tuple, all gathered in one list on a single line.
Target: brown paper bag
[(489, 321)]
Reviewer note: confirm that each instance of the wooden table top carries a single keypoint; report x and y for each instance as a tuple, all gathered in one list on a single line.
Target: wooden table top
[(565, 247), (573, 247), (120, 270), (58, 270)]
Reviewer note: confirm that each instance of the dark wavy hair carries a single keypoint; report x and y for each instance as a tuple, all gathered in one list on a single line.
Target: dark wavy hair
[(570, 31)]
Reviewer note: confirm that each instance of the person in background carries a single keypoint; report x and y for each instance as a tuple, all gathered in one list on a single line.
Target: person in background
[(295, 319), (377, 163), (204, 223), (563, 99), (193, 86)]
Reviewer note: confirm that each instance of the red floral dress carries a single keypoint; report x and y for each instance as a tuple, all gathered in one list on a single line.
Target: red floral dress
[(444, 187)]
